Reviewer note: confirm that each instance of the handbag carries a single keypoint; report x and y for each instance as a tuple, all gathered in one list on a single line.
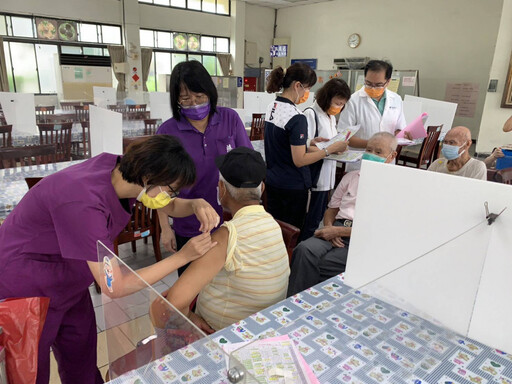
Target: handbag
[(315, 168)]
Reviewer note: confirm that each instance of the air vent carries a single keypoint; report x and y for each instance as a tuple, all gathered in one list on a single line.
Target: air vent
[(85, 60)]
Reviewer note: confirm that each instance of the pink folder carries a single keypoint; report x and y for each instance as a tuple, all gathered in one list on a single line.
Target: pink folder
[(415, 128)]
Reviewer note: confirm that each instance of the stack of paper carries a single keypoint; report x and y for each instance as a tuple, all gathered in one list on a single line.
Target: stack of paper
[(347, 156), (416, 129), (274, 360), (344, 135)]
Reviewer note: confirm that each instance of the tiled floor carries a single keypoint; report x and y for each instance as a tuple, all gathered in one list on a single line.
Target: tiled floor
[(142, 258)]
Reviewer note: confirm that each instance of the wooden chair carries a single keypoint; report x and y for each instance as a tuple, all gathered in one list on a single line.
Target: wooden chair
[(43, 112), (151, 126), (290, 236), (81, 113), (127, 141), (6, 133), (290, 233), (29, 155), (59, 134), (82, 149), (31, 181), (143, 223), (504, 176), (491, 175), (69, 105), (427, 149), (257, 126), (136, 111)]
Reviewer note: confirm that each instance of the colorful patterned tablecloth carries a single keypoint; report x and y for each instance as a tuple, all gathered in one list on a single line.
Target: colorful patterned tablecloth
[(13, 186), (345, 336)]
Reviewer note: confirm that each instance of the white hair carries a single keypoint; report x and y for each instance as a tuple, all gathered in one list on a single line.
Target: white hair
[(242, 194), (393, 142)]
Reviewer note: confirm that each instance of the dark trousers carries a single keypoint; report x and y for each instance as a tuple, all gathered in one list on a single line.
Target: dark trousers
[(317, 207), (288, 205), (180, 242), (315, 260)]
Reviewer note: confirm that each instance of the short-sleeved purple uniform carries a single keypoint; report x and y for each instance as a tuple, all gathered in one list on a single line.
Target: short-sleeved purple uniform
[(224, 132), (44, 245)]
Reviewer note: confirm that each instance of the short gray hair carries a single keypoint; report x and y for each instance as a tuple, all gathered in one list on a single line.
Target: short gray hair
[(393, 142), (242, 195)]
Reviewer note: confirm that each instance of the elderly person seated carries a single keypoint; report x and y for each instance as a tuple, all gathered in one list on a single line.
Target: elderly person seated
[(248, 269), (457, 160), (325, 255)]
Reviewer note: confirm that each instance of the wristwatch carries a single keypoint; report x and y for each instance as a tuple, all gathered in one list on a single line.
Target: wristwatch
[(326, 152)]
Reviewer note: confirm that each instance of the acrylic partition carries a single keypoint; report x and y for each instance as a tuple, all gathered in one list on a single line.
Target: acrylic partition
[(150, 341)]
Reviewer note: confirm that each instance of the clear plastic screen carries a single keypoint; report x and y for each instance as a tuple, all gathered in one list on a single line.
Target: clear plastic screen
[(150, 341)]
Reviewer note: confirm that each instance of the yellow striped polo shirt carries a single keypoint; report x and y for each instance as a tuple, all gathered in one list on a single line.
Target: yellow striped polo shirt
[(255, 274)]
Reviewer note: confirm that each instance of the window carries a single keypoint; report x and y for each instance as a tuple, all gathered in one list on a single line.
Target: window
[(22, 26), (179, 41), (162, 69), (31, 63), (24, 67), (220, 7), (222, 45), (111, 34), (46, 56), (163, 39), (89, 33), (146, 38)]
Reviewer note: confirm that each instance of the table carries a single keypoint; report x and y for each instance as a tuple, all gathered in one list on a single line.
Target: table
[(13, 186), (347, 336), (131, 128)]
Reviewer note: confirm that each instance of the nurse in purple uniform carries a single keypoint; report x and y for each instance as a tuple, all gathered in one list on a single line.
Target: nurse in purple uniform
[(206, 132), (48, 242)]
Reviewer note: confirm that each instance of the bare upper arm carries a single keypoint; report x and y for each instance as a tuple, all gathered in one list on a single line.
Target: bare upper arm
[(200, 272), (298, 152)]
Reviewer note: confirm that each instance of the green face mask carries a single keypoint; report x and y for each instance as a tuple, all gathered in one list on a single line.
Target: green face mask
[(157, 202), (373, 157)]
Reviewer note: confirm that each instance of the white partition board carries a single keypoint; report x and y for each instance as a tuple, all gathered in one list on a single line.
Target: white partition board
[(403, 213), (257, 102), (160, 105), (439, 112), (20, 112), (244, 116), (412, 109), (104, 96), (106, 131)]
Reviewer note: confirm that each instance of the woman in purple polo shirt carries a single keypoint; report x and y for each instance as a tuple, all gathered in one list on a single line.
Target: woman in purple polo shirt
[(206, 131), (48, 243)]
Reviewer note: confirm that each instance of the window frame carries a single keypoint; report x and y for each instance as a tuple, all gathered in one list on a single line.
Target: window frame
[(10, 38), (186, 8)]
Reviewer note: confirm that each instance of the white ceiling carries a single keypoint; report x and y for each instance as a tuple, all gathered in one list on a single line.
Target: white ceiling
[(283, 3)]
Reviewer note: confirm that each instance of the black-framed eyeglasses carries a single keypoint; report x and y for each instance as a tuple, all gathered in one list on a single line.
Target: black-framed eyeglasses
[(376, 85), (173, 192)]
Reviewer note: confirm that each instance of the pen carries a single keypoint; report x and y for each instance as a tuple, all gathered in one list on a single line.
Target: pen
[(348, 135)]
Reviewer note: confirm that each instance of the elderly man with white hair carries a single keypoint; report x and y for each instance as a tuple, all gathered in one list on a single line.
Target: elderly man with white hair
[(325, 255), (248, 268), (456, 160)]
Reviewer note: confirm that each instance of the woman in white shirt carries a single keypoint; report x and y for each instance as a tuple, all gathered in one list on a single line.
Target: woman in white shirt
[(330, 100)]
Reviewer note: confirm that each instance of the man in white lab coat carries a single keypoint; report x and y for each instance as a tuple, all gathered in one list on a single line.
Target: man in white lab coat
[(374, 107)]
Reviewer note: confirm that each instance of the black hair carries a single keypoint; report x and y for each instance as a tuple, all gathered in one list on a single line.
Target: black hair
[(333, 88), (379, 65), (300, 72), (159, 158), (196, 78)]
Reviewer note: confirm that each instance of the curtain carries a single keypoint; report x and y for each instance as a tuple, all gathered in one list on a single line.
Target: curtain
[(224, 61), (4, 83), (117, 55), (145, 56)]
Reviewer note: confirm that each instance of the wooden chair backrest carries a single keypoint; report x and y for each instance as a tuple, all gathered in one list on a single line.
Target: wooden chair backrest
[(151, 126), (59, 134), (429, 145), (504, 176), (6, 133), (82, 113), (29, 155), (257, 126)]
